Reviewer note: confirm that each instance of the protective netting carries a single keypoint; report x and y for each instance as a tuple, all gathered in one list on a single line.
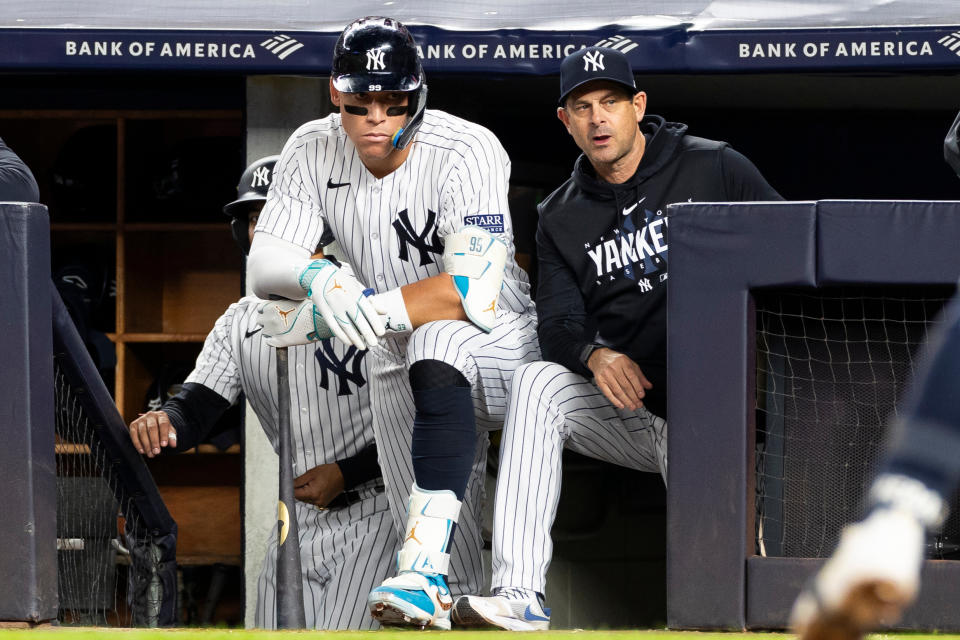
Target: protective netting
[(93, 561), (832, 367), (116, 542)]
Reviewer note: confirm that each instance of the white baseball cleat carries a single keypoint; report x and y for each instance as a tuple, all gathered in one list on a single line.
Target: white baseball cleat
[(412, 599), (500, 612), (873, 575)]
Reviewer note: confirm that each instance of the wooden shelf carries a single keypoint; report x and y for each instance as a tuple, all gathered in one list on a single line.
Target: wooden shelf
[(112, 114), (209, 449), (68, 448), (161, 337), (140, 227), (84, 226), (121, 201), (178, 227)]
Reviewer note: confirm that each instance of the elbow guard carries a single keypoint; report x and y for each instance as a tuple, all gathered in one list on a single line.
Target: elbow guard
[(274, 267), (476, 259)]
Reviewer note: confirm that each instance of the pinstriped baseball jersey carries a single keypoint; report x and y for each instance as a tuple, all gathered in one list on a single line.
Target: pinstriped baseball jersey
[(330, 402), (345, 552), (391, 229)]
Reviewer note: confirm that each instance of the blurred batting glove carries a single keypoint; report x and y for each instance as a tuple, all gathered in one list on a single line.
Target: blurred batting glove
[(340, 299)]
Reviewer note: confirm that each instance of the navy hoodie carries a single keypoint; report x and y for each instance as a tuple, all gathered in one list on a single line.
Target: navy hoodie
[(603, 248)]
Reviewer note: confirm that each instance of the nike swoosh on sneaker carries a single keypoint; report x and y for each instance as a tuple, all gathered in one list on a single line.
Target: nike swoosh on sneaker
[(257, 330), (530, 615), (336, 185)]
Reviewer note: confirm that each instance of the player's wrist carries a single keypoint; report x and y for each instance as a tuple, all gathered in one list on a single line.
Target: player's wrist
[(587, 354), (393, 308), (310, 272)]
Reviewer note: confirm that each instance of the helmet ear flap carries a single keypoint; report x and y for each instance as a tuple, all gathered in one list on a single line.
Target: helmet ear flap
[(239, 228), (417, 104)]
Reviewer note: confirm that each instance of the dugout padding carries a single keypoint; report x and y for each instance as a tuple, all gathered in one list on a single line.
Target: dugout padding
[(28, 541), (720, 254)]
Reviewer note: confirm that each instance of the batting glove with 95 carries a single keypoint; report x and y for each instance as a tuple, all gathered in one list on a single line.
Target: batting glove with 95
[(340, 299)]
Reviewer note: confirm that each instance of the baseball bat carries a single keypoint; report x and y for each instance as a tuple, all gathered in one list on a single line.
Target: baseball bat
[(290, 614)]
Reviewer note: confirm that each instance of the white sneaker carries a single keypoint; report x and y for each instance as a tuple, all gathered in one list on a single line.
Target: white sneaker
[(504, 613), (412, 599), (873, 575)]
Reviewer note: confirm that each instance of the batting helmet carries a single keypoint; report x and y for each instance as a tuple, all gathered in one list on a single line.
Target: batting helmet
[(251, 193), (951, 146), (379, 54)]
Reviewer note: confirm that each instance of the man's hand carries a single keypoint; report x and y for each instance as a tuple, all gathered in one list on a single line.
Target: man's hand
[(619, 378), (319, 485), (287, 323), (340, 299), (151, 431)]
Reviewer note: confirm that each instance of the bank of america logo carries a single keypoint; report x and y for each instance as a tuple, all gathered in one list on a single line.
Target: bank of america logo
[(281, 45), (951, 42), (619, 43)]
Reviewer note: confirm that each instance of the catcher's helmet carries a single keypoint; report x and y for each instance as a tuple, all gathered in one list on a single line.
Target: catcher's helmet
[(251, 193), (379, 54)]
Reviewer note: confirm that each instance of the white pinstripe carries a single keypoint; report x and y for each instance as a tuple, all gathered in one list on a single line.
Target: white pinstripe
[(551, 408), (344, 552), (455, 169)]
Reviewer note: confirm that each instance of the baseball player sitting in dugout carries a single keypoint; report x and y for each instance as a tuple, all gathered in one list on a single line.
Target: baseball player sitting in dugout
[(417, 200), (602, 251), (338, 486)]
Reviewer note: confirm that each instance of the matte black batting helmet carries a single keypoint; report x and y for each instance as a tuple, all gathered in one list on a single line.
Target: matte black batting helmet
[(251, 193), (379, 54)]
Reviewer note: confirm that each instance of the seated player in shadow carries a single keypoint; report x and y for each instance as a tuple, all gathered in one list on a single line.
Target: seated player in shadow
[(347, 538)]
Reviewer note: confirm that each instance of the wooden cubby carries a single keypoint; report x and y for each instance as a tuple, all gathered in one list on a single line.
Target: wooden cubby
[(141, 192)]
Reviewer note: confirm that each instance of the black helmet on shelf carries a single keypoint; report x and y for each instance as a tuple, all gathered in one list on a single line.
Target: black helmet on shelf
[(84, 176)]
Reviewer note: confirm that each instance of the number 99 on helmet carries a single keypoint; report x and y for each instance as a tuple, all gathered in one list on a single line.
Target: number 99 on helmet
[(379, 54)]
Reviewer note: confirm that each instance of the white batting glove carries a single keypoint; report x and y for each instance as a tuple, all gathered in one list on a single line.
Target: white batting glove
[(287, 323), (341, 300)]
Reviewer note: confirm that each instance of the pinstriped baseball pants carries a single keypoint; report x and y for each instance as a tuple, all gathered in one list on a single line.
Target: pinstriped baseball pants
[(551, 408)]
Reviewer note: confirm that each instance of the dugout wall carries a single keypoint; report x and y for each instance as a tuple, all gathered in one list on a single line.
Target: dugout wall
[(727, 262)]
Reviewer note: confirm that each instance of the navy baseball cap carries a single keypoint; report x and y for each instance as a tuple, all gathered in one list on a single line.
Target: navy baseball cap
[(595, 63)]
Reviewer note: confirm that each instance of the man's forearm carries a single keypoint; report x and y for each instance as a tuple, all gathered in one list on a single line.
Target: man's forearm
[(432, 298), (274, 267), (360, 468), (193, 413)]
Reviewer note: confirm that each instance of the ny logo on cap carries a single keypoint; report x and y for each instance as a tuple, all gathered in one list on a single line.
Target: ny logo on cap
[(261, 177), (375, 60), (593, 61)]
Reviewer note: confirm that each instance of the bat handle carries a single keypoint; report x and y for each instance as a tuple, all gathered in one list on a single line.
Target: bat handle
[(289, 584)]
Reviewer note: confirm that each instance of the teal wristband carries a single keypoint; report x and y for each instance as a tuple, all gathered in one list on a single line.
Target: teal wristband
[(308, 274)]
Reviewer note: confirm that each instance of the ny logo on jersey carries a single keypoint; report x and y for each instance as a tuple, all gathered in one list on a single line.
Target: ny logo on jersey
[(375, 60), (593, 61), (418, 240), (261, 178), (347, 369)]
